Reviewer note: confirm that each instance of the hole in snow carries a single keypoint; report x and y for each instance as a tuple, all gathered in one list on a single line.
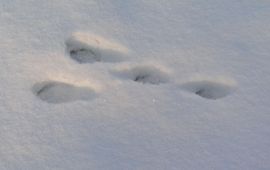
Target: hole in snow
[(84, 56), (88, 48), (145, 74), (210, 89), (59, 92)]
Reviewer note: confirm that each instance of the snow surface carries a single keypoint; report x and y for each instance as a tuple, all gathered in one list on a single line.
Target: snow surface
[(146, 85)]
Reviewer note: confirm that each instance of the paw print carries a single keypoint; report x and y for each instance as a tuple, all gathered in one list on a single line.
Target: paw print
[(84, 48)]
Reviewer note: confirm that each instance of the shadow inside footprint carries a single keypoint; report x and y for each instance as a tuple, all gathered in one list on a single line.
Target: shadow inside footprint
[(89, 48), (210, 89), (144, 74), (85, 55), (59, 92)]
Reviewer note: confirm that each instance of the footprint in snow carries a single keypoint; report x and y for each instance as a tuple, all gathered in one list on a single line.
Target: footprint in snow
[(60, 92), (145, 74), (89, 48), (210, 89)]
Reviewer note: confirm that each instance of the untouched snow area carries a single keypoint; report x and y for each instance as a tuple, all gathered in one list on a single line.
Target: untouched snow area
[(135, 84)]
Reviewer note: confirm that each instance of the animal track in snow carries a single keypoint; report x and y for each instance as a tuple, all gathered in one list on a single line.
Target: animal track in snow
[(89, 48), (60, 92), (145, 74), (211, 89)]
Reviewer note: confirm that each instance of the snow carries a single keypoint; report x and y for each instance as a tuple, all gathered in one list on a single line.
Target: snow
[(59, 92), (142, 84), (211, 89), (147, 73), (86, 48)]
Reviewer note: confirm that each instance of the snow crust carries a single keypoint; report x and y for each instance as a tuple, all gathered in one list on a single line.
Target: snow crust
[(134, 84)]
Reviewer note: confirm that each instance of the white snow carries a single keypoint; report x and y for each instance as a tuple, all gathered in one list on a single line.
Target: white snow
[(146, 73), (135, 84), (59, 92), (87, 48), (211, 89)]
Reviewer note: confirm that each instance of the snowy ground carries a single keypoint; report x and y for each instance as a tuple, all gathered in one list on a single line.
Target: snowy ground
[(135, 84)]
